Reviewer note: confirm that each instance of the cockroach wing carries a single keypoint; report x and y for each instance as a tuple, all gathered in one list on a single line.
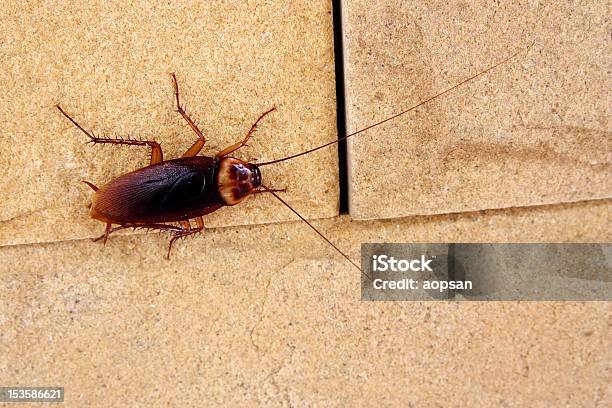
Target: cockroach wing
[(187, 187), (173, 190)]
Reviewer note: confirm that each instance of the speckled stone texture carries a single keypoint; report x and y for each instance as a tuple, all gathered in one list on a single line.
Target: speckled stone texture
[(270, 315), (536, 130)]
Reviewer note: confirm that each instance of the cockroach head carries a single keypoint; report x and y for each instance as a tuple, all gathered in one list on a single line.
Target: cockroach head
[(237, 179)]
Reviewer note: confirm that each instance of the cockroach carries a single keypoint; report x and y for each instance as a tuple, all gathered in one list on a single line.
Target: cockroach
[(187, 188)]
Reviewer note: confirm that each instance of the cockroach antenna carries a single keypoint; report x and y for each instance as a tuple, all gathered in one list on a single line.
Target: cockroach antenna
[(438, 95), (314, 229), (431, 98), (319, 233)]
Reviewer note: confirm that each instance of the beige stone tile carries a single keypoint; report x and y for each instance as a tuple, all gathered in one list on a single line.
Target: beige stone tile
[(535, 130), (108, 64), (269, 315)]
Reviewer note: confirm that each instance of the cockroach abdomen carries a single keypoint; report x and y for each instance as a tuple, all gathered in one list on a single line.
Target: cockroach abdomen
[(169, 191)]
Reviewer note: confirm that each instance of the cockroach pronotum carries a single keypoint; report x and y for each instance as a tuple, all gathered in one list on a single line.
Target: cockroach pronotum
[(187, 188)]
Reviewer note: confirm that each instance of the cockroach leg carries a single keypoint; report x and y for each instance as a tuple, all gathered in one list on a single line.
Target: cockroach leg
[(157, 155), (185, 231), (198, 144), (160, 227), (106, 234), (107, 231), (74, 122), (244, 141)]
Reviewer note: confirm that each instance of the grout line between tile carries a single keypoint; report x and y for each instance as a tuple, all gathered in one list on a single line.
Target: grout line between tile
[(596, 201), (340, 105)]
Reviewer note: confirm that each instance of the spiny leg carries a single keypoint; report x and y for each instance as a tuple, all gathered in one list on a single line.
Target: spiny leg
[(107, 232), (160, 227), (157, 155), (198, 144), (185, 232), (244, 141)]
